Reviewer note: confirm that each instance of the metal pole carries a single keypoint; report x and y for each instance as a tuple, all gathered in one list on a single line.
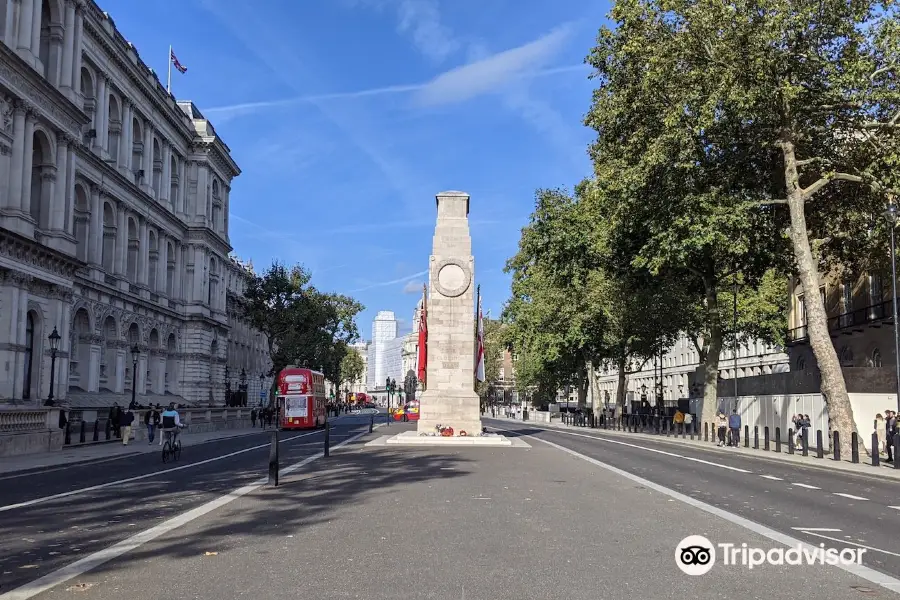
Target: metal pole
[(169, 78), (133, 383), (52, 373), (894, 294)]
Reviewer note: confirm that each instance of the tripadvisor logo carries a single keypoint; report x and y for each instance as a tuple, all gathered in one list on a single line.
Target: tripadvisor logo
[(696, 555)]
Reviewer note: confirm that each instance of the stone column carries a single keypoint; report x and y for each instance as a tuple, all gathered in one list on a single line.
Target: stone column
[(140, 378), (147, 158), (144, 253), (95, 247), (76, 57), (101, 113), (126, 142), (23, 37), (55, 56), (94, 373), (68, 45), (121, 256), (201, 276), (36, 29), (18, 301), (9, 31), (27, 163), (180, 272), (48, 192), (5, 152), (17, 160), (58, 217), (182, 184), (162, 263), (71, 163), (165, 185), (120, 371)]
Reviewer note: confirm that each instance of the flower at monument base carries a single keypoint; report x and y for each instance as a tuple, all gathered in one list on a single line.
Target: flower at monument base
[(463, 433)]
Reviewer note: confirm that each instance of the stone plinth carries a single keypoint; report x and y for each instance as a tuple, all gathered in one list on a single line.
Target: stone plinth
[(449, 398), (413, 438)]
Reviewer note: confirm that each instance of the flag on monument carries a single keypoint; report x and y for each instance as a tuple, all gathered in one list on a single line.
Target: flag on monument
[(479, 356), (422, 360)]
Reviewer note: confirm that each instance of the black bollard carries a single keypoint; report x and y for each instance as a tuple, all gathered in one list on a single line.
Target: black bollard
[(108, 429), (81, 437), (96, 430), (756, 437), (371, 423), (836, 446), (896, 451), (327, 438), (790, 441), (273, 459), (805, 441), (820, 450), (68, 439), (692, 430), (706, 432), (876, 458), (778, 440), (854, 448), (683, 430), (746, 436), (766, 438)]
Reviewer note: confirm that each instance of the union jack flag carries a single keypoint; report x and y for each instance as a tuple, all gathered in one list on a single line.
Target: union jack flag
[(181, 68)]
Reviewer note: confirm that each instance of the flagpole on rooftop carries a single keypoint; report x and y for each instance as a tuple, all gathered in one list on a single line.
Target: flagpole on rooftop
[(169, 78)]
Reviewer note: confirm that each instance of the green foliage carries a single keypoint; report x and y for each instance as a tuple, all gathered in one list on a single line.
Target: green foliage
[(352, 367), (304, 327)]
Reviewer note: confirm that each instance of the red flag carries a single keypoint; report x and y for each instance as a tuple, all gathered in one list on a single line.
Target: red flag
[(423, 338), (181, 68), (479, 352)]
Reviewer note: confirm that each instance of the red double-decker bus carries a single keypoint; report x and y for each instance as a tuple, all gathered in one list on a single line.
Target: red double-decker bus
[(300, 398)]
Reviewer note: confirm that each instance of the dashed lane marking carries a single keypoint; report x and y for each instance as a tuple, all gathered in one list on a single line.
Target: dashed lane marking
[(772, 477), (806, 485), (827, 529), (851, 496)]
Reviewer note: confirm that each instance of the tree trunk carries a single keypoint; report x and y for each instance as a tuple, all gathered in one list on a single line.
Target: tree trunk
[(594, 387), (834, 389), (714, 350), (620, 390)]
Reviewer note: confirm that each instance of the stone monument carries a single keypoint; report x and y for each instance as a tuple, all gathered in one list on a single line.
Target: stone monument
[(449, 398)]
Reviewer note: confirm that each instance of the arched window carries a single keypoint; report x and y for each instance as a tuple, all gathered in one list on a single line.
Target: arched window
[(801, 363), (29, 356), (876, 358)]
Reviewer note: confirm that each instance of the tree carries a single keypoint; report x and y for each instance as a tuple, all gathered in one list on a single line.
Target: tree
[(352, 367), (303, 326), (793, 101)]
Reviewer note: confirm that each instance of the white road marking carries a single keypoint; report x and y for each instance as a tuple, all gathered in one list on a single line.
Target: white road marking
[(894, 507), (594, 437), (146, 476), (815, 529), (870, 575), (772, 477), (806, 485), (96, 559), (845, 541), (851, 496)]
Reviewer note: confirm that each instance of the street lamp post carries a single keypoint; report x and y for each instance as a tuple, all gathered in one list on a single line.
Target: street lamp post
[(891, 214), (54, 346), (243, 387), (262, 381), (135, 354)]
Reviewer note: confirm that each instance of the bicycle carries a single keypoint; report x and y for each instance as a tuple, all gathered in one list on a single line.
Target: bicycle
[(172, 445)]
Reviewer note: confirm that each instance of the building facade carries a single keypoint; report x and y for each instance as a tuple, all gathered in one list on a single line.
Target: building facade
[(113, 218), (248, 368)]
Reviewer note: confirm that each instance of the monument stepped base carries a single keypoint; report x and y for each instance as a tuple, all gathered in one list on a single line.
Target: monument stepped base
[(412, 438)]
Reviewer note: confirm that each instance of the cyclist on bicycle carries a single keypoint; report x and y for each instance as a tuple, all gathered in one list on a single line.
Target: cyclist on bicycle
[(171, 422)]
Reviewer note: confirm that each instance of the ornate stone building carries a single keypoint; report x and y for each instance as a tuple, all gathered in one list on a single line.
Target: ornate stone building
[(113, 218), (248, 361)]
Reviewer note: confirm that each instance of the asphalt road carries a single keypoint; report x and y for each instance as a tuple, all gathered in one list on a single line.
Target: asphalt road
[(816, 505), (51, 517), (385, 523)]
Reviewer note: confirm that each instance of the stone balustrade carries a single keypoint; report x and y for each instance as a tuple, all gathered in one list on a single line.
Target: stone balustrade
[(26, 431)]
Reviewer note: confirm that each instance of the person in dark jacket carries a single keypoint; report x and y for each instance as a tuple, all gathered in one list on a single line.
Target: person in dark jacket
[(151, 420), (734, 424), (125, 422), (115, 416)]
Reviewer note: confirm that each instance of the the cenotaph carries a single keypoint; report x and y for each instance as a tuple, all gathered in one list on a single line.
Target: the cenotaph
[(449, 398)]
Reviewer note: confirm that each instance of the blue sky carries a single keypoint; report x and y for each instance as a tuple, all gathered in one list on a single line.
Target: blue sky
[(348, 116)]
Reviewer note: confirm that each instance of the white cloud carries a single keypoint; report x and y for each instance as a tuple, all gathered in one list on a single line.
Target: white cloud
[(387, 283), (491, 73), (413, 287), (233, 111)]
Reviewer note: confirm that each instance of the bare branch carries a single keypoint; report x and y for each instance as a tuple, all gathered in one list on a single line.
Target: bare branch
[(885, 69), (814, 160), (823, 181), (770, 202)]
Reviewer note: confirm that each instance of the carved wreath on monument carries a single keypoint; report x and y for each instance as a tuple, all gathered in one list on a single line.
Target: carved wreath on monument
[(453, 277)]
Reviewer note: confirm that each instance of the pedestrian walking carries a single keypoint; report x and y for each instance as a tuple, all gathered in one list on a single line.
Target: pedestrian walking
[(253, 418), (151, 420), (734, 424), (115, 416), (721, 427), (125, 424), (890, 430)]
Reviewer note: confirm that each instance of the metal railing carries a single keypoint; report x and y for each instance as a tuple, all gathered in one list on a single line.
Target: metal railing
[(855, 318)]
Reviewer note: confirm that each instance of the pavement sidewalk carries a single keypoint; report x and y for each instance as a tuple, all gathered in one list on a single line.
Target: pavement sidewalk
[(407, 523), (102, 452), (864, 467)]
